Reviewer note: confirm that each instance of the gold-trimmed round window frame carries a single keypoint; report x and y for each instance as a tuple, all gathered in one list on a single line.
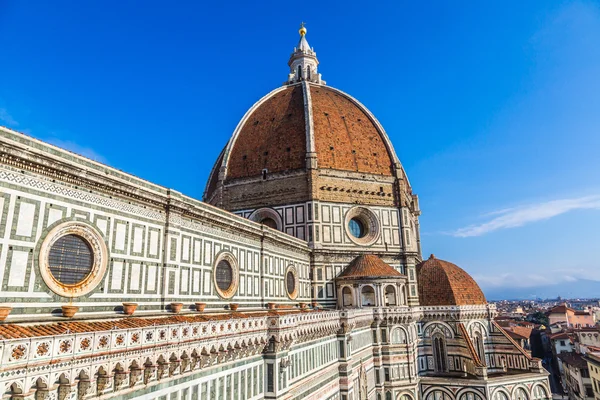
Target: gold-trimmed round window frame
[(370, 224), (99, 263), (292, 270), (235, 274)]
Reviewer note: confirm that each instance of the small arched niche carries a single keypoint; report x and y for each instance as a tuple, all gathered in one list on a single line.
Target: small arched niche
[(367, 295), (390, 296), (347, 298)]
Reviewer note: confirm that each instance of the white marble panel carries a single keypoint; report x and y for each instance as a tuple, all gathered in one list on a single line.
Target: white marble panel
[(25, 220), (151, 278), (138, 236), (184, 279), (134, 277), (117, 275), (153, 243), (185, 252), (18, 268), (121, 231), (197, 250), (196, 281), (54, 214)]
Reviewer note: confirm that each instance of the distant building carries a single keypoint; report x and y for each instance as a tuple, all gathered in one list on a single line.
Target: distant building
[(574, 318), (593, 361), (577, 376)]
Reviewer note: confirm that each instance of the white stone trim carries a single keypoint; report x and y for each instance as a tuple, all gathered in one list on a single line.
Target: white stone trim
[(308, 119)]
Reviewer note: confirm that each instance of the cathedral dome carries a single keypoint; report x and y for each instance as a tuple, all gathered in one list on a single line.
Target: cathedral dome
[(299, 121), (442, 283), (304, 125)]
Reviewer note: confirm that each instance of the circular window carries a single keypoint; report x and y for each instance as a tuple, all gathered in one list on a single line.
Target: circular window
[(73, 259), (356, 228), (291, 282), (362, 226), (226, 275), (70, 259)]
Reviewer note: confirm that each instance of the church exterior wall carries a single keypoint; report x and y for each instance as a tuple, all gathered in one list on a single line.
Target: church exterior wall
[(158, 253)]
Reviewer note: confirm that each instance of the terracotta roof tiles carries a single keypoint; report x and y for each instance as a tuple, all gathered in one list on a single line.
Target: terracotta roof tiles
[(368, 266), (442, 283)]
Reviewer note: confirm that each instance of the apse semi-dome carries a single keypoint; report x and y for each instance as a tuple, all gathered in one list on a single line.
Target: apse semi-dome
[(442, 283), (303, 125)]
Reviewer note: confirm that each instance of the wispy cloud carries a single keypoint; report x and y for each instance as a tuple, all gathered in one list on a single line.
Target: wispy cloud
[(6, 118), (78, 149), (525, 280), (519, 216)]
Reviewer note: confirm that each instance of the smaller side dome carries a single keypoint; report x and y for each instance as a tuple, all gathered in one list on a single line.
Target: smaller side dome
[(442, 283), (369, 266)]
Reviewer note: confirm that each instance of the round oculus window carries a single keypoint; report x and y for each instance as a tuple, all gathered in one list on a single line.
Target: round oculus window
[(362, 226), (73, 259), (356, 228), (70, 259), (290, 281), (224, 275)]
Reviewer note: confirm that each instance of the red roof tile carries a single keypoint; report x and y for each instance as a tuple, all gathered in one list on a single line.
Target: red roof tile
[(442, 283), (369, 266)]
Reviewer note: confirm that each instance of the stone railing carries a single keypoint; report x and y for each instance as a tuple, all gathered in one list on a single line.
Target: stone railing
[(15, 353)]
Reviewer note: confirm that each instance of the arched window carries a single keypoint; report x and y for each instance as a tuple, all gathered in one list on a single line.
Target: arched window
[(539, 393), (398, 336), (440, 356), (347, 297), (368, 296), (299, 72), (308, 73), (520, 394), (500, 395), (438, 395), (470, 396), (390, 295), (270, 222)]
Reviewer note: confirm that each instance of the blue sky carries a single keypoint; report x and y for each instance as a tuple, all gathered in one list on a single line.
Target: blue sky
[(493, 107)]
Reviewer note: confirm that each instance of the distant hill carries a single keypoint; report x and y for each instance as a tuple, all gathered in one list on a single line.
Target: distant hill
[(580, 288)]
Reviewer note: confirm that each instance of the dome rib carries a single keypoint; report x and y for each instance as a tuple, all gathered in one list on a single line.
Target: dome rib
[(442, 283)]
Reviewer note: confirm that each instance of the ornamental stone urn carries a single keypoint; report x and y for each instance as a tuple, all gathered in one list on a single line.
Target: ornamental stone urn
[(4, 311), (129, 308), (271, 306), (69, 310), (176, 307), (200, 306), (233, 306)]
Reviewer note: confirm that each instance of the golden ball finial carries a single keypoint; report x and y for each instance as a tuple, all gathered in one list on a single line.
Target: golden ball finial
[(302, 30)]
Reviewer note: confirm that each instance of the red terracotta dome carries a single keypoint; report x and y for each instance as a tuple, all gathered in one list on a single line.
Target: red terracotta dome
[(300, 121), (442, 283), (369, 266)]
